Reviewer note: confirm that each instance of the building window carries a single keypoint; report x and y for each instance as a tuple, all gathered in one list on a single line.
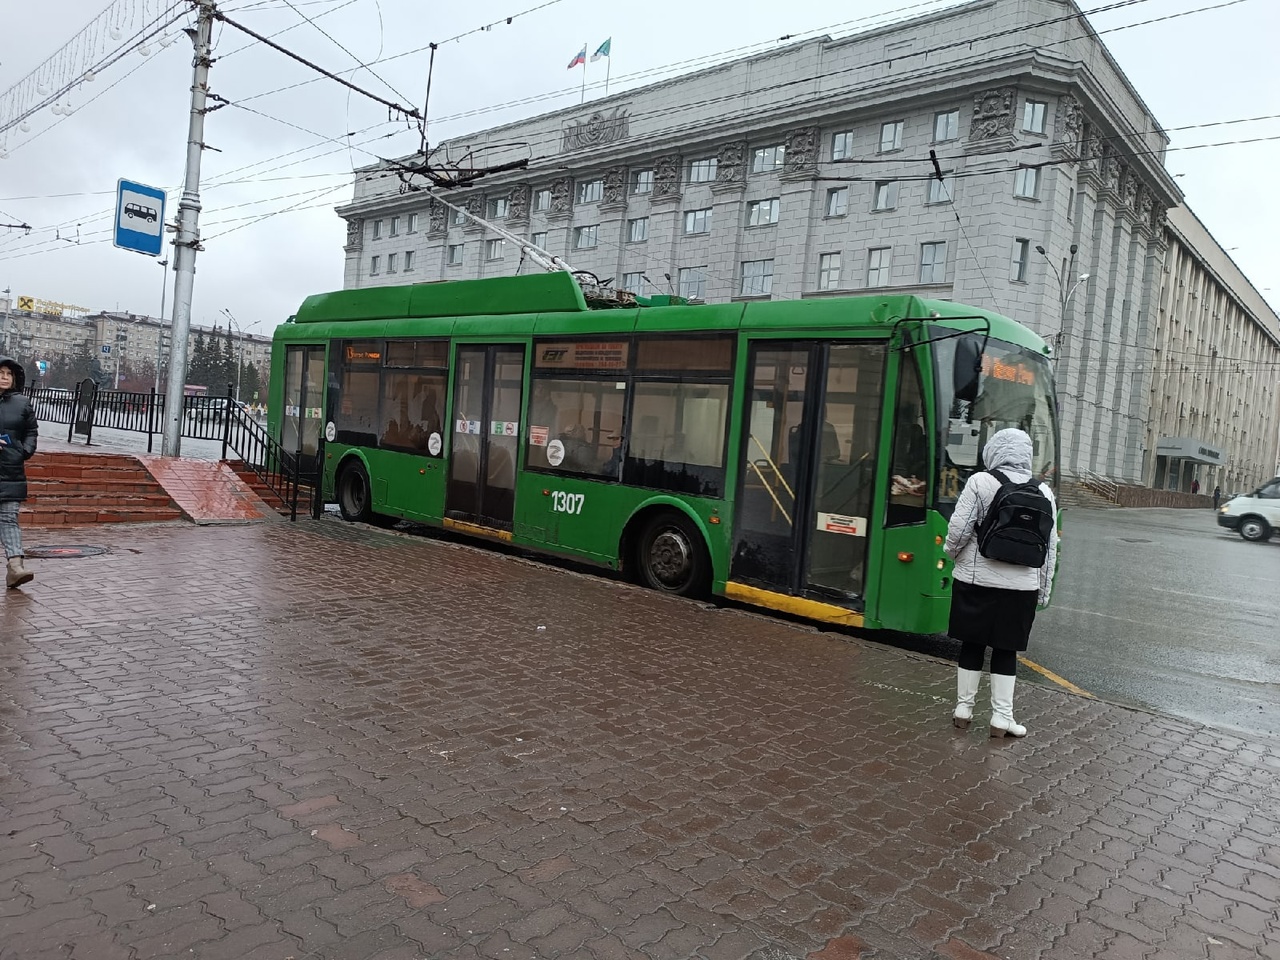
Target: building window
[(408, 261), (946, 126), (590, 191), (878, 260), (837, 201), (693, 282), (412, 226), (761, 212), (1026, 182), (697, 221), (842, 145), (391, 262), (395, 230), (828, 271), (542, 200), (585, 237), (496, 208), (494, 249), (942, 191), (459, 217), (764, 159), (702, 171), (642, 182), (632, 281), (757, 278), (933, 262), (1021, 253), (891, 136), (638, 230), (374, 264), (539, 239), (377, 229), (1033, 116), (886, 197)]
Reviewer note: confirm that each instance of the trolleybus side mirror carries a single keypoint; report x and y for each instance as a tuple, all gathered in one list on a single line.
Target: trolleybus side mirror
[(967, 367)]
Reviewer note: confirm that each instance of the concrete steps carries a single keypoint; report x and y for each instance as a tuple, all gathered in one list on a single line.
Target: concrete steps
[(76, 489), (269, 497)]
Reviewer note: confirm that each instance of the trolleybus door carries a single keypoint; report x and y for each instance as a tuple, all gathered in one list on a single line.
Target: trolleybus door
[(486, 432), (303, 404), (808, 468)]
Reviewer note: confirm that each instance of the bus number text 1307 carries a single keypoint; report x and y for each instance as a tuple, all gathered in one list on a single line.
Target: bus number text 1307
[(562, 502)]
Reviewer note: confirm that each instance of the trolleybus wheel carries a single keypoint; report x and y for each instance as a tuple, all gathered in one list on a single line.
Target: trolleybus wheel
[(353, 494), (672, 557), (1255, 529)]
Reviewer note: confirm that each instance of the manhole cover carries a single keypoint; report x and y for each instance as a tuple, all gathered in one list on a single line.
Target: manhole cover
[(64, 552)]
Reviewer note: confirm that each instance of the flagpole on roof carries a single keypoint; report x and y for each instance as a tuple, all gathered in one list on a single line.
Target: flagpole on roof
[(608, 69), (583, 98)]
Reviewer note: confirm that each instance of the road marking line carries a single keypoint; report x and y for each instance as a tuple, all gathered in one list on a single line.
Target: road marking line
[(1045, 671)]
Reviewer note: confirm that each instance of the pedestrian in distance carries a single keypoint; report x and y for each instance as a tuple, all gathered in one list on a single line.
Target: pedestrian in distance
[(18, 433), (1003, 538), (1217, 495), (1195, 487)]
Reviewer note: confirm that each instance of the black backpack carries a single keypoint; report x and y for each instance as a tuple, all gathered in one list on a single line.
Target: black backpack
[(1018, 527)]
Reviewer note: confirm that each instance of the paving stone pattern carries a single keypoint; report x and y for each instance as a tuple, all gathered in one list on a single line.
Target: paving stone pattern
[(325, 741)]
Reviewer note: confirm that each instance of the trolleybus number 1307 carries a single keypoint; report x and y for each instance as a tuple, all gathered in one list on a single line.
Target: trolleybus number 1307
[(562, 502)]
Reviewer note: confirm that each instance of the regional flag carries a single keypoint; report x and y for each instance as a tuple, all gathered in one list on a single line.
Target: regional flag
[(580, 58), (602, 50)]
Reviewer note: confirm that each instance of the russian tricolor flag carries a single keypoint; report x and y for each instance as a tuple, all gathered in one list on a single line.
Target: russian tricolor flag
[(580, 58)]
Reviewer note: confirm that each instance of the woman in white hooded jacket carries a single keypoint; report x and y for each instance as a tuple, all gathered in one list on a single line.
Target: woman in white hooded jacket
[(993, 603)]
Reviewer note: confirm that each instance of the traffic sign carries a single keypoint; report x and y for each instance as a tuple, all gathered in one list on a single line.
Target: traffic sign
[(106, 348), (139, 218)]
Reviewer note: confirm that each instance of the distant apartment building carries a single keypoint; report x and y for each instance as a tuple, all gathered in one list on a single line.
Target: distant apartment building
[(810, 171)]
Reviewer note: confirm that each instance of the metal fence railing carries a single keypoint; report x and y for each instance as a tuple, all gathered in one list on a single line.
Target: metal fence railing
[(288, 475)]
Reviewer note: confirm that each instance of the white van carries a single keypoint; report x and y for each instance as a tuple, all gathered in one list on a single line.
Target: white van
[(1255, 516)]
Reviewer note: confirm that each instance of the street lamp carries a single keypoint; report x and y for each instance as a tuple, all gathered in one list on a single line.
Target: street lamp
[(164, 285), (240, 350), (1064, 294)]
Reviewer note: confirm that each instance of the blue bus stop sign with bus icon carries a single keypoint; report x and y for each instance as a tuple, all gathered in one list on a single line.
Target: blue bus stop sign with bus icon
[(139, 218)]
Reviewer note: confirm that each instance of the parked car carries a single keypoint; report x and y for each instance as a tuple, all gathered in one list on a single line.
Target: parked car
[(1255, 516)]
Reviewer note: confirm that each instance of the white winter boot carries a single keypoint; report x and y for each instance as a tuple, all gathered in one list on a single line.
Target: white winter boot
[(1002, 722), (966, 693)]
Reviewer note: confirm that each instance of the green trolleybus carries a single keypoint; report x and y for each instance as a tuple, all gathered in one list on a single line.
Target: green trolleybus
[(802, 456)]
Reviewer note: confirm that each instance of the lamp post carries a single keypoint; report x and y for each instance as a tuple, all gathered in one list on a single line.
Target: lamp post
[(164, 283), (1064, 294), (240, 347)]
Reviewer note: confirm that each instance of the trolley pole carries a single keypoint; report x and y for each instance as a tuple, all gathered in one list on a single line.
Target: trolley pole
[(187, 242)]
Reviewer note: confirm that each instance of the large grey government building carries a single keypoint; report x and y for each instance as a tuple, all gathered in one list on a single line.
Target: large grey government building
[(808, 172)]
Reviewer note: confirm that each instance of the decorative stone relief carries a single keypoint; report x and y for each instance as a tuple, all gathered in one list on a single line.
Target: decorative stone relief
[(474, 205), (615, 185), (1110, 168), (993, 114), (1145, 202), (1092, 153), (1159, 216), (1128, 189), (562, 195), (1068, 122), (666, 176), (598, 129), (731, 163), (802, 150), (518, 208), (355, 234), (437, 216)]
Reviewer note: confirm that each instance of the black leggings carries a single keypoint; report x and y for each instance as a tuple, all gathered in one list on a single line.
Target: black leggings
[(1003, 662)]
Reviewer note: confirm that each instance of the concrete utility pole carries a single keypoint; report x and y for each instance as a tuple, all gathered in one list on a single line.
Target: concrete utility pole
[(188, 240), (164, 287)]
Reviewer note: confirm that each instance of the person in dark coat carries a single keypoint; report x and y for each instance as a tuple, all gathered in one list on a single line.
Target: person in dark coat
[(18, 434), (993, 603)]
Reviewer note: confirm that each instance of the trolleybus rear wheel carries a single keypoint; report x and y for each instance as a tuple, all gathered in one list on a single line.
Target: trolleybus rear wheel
[(672, 557), (353, 494)]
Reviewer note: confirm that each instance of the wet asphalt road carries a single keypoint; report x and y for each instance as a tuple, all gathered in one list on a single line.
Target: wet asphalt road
[(1163, 609)]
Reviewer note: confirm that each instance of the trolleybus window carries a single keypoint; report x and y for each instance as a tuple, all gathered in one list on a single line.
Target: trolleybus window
[(577, 404), (355, 409), (413, 390)]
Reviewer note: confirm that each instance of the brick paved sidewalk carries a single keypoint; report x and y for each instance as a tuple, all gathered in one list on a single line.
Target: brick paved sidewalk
[(325, 741)]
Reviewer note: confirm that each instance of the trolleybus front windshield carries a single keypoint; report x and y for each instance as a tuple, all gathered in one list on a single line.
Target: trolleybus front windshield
[(1015, 389)]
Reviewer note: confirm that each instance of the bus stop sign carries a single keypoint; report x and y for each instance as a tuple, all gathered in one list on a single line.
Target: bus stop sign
[(139, 218)]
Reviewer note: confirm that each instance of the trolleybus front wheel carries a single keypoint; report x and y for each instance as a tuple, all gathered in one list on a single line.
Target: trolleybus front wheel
[(672, 557), (354, 497)]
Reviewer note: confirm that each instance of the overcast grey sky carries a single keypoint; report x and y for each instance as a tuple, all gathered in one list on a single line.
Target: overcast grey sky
[(1210, 67)]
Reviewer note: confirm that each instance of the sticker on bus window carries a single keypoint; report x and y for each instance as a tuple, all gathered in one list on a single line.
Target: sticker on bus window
[(468, 426), (504, 428), (330, 431), (839, 523), (538, 436), (555, 453), (435, 443)]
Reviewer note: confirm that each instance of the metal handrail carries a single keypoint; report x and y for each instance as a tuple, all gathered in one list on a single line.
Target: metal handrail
[(1102, 486)]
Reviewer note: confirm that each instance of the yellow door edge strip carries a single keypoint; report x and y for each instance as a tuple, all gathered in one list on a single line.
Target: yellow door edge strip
[(813, 609), (1066, 684), (476, 530)]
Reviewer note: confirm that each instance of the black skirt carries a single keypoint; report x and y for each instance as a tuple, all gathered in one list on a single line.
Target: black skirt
[(991, 616)]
